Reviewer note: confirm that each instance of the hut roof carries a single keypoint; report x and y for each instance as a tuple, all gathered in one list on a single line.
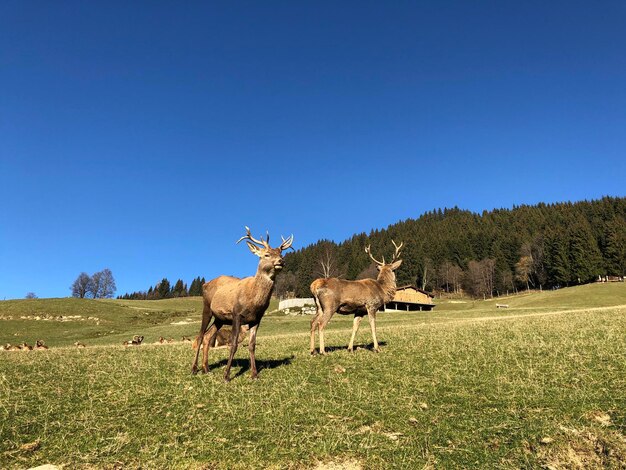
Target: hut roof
[(411, 286)]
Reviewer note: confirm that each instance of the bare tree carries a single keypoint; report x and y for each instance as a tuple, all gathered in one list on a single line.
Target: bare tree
[(96, 284), (426, 272), (107, 284), (456, 276), (328, 266), (489, 273), (523, 270), (480, 276), (445, 274), (81, 286), (30, 295), (539, 269)]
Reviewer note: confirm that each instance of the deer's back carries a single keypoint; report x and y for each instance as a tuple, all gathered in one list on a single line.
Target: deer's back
[(343, 291), (210, 288)]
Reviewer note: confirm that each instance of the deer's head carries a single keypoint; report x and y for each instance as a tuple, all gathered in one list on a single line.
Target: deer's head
[(271, 259), (387, 269)]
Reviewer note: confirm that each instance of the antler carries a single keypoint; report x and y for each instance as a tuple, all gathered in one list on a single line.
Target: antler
[(367, 250), (286, 244), (396, 255), (248, 236)]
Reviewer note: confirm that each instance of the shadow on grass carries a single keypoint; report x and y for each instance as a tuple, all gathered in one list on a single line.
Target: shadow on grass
[(244, 364), (369, 347)]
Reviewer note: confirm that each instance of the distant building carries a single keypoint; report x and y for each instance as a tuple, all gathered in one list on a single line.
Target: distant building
[(411, 299), (610, 279)]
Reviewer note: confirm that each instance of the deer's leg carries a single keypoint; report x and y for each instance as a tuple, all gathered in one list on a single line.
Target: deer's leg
[(355, 327), (315, 324), (371, 316), (321, 325), (209, 339), (206, 319), (213, 340), (252, 349), (233, 345)]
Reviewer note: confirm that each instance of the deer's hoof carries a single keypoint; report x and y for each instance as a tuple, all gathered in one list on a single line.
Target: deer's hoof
[(350, 350), (194, 370)]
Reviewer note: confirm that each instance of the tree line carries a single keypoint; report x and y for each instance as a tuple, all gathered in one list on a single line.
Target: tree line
[(492, 253), (166, 290)]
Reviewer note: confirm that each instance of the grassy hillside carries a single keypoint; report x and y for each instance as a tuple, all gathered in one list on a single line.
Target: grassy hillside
[(100, 322), (464, 386), (589, 295), (61, 322)]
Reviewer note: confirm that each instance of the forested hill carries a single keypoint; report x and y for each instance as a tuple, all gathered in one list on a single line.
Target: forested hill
[(494, 252)]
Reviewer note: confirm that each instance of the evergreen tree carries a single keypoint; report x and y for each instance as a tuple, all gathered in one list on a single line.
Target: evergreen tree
[(163, 289), (615, 254), (195, 289), (585, 257), (179, 289), (557, 259)]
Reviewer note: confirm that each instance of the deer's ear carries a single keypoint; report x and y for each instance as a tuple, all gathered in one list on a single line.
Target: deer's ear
[(254, 249), (396, 265)]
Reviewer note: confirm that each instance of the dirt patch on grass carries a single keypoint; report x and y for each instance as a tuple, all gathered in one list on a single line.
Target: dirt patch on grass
[(586, 449), (350, 464)]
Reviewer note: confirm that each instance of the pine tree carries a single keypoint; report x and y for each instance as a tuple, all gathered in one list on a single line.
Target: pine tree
[(557, 259), (615, 251), (585, 257), (178, 289), (163, 289)]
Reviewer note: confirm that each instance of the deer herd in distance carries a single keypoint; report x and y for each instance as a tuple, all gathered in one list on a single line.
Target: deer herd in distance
[(241, 303)]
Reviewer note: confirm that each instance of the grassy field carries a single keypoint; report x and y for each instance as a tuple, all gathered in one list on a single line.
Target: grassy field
[(540, 384)]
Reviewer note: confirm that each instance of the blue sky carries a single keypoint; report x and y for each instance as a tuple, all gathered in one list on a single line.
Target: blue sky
[(142, 137)]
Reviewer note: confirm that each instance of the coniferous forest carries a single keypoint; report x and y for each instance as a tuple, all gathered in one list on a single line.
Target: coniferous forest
[(165, 290), (499, 251)]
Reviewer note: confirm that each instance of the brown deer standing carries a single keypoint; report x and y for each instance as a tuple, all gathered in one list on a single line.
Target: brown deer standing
[(233, 301), (360, 298)]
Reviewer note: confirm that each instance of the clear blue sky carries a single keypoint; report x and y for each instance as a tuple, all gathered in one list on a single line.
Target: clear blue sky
[(142, 137)]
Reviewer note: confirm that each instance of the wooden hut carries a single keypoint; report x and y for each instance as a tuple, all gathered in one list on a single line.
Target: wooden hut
[(411, 299)]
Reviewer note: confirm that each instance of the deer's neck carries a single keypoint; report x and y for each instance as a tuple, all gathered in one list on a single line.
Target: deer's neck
[(263, 287), (387, 282)]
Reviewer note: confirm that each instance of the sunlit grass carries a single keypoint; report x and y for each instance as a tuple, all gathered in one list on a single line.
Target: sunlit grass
[(472, 388)]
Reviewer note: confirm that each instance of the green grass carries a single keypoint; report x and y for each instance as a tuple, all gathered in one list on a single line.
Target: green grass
[(101, 322), (464, 386)]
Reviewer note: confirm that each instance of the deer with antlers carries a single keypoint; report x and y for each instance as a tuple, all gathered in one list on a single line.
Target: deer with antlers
[(233, 301), (358, 298)]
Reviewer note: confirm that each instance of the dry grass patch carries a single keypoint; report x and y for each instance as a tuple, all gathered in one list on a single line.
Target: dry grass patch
[(588, 448)]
